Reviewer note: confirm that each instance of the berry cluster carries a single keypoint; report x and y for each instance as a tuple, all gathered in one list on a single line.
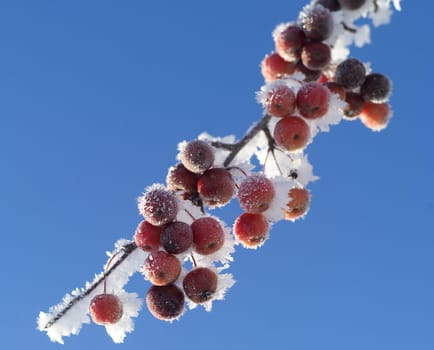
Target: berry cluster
[(182, 250)]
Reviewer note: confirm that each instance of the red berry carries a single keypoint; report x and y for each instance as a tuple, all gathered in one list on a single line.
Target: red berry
[(251, 229), (317, 23), (208, 235), (176, 237), (354, 106), (256, 193), (165, 302), (275, 67), (280, 101), (350, 73), (161, 268), (179, 178), (147, 236), (197, 156), (316, 55), (289, 42), (309, 75), (200, 284), (313, 100), (299, 203), (331, 5), (376, 88), (375, 116), (106, 309), (216, 186), (158, 206), (291, 133)]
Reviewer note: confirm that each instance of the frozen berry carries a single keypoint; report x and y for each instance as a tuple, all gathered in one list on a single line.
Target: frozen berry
[(197, 156), (275, 67), (208, 235), (289, 40), (216, 186), (375, 116), (316, 55), (291, 133), (350, 73), (280, 101), (200, 284), (256, 193), (147, 236), (352, 4), (335, 88), (165, 302), (376, 88), (298, 204), (251, 229), (331, 5), (179, 178), (313, 100), (161, 268), (176, 237), (317, 23), (158, 206), (106, 309), (354, 106)]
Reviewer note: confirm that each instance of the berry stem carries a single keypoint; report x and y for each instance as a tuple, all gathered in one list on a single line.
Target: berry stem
[(127, 249)]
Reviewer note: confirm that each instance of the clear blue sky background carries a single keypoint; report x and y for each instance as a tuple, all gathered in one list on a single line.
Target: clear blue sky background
[(95, 96)]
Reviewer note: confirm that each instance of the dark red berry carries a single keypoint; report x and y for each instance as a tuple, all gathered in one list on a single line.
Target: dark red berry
[(179, 178), (158, 206), (197, 156), (176, 237), (316, 55), (317, 23), (208, 235), (350, 73), (251, 229), (289, 42), (376, 88), (161, 268), (147, 236), (331, 5), (352, 4), (106, 309), (216, 186), (313, 100), (310, 75), (355, 104), (200, 284), (165, 302)]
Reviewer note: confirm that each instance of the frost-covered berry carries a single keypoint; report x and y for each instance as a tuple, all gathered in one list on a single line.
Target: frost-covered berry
[(354, 106), (251, 230), (298, 204), (161, 268), (331, 5), (158, 206), (352, 4), (200, 284), (273, 67), (208, 235), (375, 116), (179, 178), (291, 133), (165, 302), (335, 88), (256, 193), (106, 309), (176, 237), (376, 88), (313, 100), (317, 23), (289, 40), (309, 74), (280, 101), (147, 236), (197, 156), (350, 73), (216, 186), (316, 55)]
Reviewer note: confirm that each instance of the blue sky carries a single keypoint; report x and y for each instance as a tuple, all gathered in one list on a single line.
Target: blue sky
[(95, 96)]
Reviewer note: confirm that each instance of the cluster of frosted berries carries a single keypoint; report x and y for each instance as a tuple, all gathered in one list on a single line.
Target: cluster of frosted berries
[(303, 47)]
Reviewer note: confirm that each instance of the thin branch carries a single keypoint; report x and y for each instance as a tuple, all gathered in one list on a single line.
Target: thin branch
[(127, 250)]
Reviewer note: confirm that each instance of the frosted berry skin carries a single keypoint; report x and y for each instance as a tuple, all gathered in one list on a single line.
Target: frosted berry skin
[(313, 100), (280, 101), (176, 237), (197, 156), (158, 206), (317, 23), (208, 235), (298, 204), (354, 106), (376, 88), (147, 236), (352, 4), (216, 186), (375, 116), (350, 73), (200, 284), (255, 194), (275, 67), (161, 268), (106, 309), (316, 55), (291, 133), (289, 42), (165, 302), (251, 230), (179, 178)]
